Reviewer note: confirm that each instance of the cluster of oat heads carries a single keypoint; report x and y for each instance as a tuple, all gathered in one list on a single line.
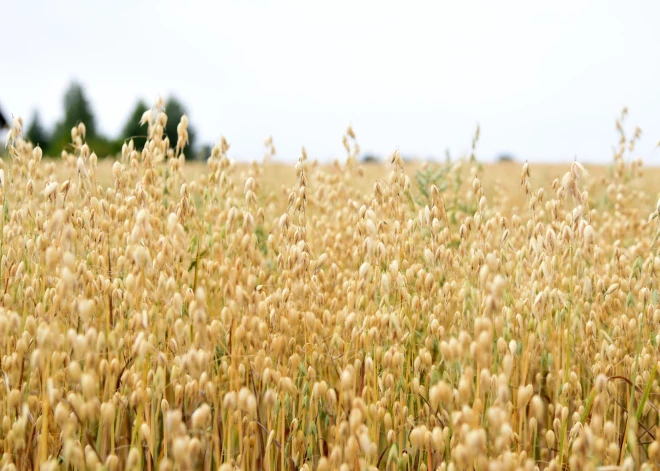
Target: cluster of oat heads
[(231, 322)]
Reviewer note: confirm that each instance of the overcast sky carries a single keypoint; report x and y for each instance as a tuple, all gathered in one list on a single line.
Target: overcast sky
[(545, 80)]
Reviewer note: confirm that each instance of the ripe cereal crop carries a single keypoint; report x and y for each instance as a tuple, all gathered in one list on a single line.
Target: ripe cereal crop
[(159, 314)]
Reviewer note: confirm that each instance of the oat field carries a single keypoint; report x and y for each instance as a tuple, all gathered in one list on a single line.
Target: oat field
[(159, 314)]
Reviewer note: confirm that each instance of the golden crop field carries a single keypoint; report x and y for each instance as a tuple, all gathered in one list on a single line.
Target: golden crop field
[(158, 314)]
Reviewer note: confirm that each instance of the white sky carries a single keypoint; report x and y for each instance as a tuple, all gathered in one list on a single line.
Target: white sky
[(545, 80)]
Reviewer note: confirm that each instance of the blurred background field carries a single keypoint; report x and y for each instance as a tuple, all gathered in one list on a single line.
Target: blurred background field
[(502, 178)]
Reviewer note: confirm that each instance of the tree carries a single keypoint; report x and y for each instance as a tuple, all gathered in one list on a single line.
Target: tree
[(204, 152), (37, 134), (175, 110), (505, 157), (370, 159), (76, 109), (3, 121), (132, 128)]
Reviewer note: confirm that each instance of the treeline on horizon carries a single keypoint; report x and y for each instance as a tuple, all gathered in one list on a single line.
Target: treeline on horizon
[(77, 108)]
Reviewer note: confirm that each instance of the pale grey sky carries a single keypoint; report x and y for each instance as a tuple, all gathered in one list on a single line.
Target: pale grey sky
[(545, 80)]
